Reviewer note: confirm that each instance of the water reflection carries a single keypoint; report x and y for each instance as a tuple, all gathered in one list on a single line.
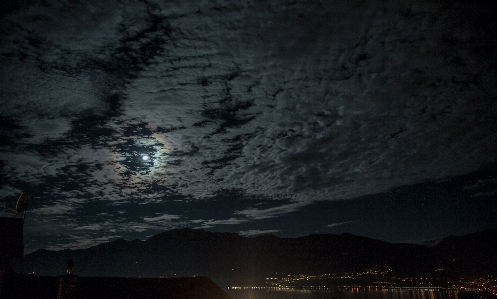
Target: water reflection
[(344, 294)]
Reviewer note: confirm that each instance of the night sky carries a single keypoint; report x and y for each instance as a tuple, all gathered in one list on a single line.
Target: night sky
[(377, 118)]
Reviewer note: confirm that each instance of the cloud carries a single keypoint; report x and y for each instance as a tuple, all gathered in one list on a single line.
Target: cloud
[(297, 132), (211, 223), (57, 208), (161, 219), (256, 232), (258, 214), (339, 224), (347, 115), (6, 193), (483, 187), (488, 193), (81, 243)]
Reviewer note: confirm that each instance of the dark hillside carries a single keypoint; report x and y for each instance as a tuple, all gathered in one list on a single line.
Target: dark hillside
[(232, 259)]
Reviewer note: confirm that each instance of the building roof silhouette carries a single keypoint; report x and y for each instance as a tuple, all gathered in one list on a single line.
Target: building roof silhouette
[(11, 236), (49, 287)]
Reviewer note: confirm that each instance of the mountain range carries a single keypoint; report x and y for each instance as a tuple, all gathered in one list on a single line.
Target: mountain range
[(231, 259)]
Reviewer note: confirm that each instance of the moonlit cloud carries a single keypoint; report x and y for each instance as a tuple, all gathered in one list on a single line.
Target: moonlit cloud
[(254, 213), (162, 218), (257, 232), (212, 223), (338, 224)]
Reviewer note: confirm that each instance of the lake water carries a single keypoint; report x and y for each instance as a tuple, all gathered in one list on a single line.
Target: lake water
[(344, 294)]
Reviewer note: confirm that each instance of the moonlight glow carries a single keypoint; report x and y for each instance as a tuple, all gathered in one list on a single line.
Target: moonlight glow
[(145, 157)]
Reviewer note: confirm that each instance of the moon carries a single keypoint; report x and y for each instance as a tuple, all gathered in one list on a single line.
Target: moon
[(145, 157)]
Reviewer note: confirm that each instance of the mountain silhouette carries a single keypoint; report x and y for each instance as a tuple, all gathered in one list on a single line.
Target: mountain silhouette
[(231, 259)]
